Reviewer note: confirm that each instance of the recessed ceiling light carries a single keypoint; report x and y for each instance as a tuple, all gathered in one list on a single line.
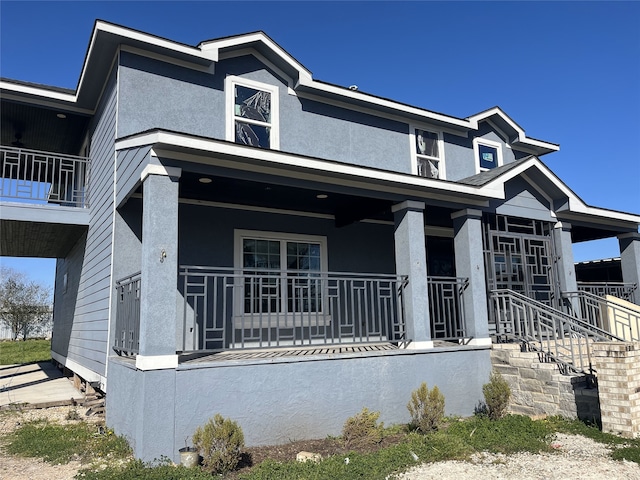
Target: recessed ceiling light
[(322, 196), (205, 180), (61, 115)]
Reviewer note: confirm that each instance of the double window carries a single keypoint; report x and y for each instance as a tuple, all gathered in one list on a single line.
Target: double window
[(252, 113), (281, 272), (488, 154), (428, 151)]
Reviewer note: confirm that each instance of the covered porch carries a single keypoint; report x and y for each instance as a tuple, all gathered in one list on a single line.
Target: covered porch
[(291, 258)]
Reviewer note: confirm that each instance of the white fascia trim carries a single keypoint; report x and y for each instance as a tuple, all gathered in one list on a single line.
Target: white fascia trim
[(252, 51), (544, 195), (216, 147), (217, 45), (522, 137), (37, 91), (156, 362), (165, 58), (363, 97), (75, 367), (152, 40)]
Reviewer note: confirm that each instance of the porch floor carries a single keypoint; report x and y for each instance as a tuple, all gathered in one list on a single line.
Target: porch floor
[(286, 352)]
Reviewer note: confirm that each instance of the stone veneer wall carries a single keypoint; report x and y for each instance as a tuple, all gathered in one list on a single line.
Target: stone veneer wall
[(539, 389), (618, 367)]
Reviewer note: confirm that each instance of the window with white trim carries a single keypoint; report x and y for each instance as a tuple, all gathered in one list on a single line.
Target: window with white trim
[(487, 154), (281, 272), (428, 151), (252, 112)]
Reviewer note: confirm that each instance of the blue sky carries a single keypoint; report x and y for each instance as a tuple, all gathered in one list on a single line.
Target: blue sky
[(566, 72)]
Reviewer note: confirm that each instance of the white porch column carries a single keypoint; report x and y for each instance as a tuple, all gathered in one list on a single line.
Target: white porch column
[(630, 260), (411, 260), (467, 241), (564, 252), (159, 268)]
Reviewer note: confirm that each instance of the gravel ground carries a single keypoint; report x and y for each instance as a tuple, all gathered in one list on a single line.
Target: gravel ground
[(575, 457)]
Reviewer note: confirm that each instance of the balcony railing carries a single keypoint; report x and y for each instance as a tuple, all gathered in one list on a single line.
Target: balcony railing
[(626, 291), (127, 332), (35, 176), (231, 309), (446, 307)]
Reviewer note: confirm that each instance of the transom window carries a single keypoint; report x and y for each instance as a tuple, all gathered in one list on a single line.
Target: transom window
[(252, 112), (281, 273), (488, 154), (428, 150)]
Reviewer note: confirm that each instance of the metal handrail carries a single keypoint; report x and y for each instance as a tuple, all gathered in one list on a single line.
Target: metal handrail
[(624, 290), (34, 175), (556, 335), (607, 315), (230, 308)]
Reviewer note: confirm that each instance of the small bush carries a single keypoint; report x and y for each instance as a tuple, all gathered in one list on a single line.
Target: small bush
[(362, 429), (496, 396), (426, 408), (220, 442)]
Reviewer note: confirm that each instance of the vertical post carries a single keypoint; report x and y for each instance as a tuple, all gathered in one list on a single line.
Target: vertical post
[(630, 261), (566, 269), (411, 260), (467, 242), (159, 266)]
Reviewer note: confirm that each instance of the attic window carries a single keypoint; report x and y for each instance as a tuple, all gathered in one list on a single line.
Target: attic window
[(252, 113), (488, 154)]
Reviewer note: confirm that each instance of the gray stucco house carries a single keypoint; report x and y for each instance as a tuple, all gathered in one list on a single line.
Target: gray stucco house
[(235, 236)]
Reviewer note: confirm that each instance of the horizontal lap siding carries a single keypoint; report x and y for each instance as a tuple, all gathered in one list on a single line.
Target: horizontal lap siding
[(130, 164), (88, 341)]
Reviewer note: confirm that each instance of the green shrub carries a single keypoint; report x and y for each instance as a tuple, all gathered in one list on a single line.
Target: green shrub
[(220, 442), (426, 408), (362, 429), (496, 396)]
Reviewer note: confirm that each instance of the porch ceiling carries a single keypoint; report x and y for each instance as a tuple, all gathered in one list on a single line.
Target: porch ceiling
[(40, 128), (346, 208)]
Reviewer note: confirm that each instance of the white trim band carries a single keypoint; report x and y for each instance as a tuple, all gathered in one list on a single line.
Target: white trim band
[(152, 169), (156, 362)]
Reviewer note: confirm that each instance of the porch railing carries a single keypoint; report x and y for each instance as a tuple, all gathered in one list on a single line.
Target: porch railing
[(557, 336), (36, 176), (446, 307), (618, 319), (626, 291), (127, 332), (226, 308)]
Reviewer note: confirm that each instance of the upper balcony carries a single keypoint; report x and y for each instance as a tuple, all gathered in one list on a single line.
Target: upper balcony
[(44, 199), (43, 177)]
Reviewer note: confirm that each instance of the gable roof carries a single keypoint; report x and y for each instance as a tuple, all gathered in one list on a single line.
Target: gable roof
[(107, 38), (536, 173)]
